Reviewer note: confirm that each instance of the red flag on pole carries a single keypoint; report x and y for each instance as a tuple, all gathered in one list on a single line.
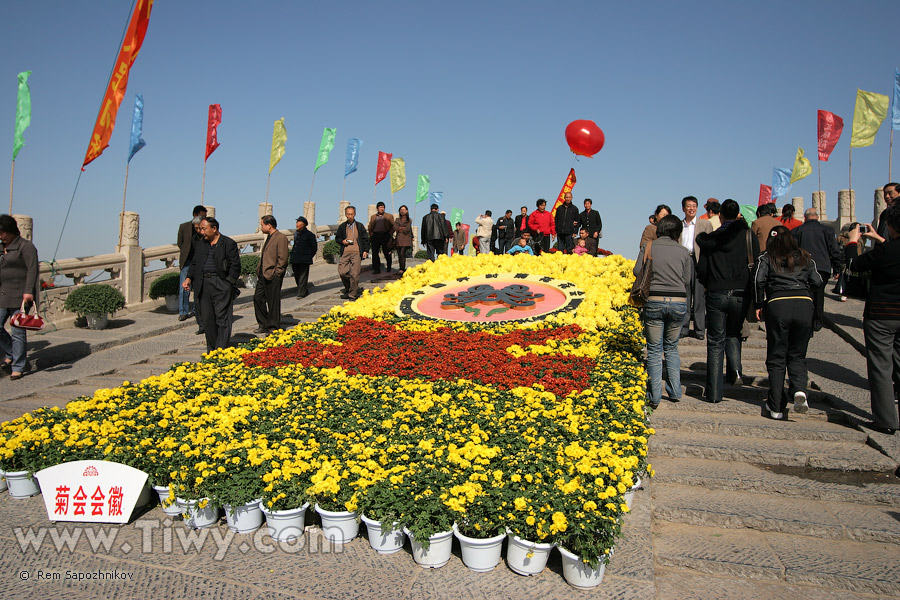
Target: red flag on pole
[(567, 187), (215, 119), (118, 82), (830, 128), (765, 194), (384, 166)]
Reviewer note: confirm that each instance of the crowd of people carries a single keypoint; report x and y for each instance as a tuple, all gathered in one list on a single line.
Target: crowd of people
[(720, 273)]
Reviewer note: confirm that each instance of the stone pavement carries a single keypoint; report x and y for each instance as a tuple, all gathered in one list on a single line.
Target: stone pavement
[(741, 506)]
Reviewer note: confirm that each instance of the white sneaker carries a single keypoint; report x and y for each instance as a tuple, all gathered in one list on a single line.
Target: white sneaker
[(800, 404), (776, 415)]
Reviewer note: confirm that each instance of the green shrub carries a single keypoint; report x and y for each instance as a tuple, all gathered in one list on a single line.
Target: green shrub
[(164, 285), (423, 254), (97, 298), (249, 264), (331, 248)]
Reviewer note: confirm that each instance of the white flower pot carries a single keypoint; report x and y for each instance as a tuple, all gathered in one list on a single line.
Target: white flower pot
[(629, 495), (438, 553), (526, 558), (173, 510), (339, 527), (579, 574), (384, 540), (172, 303), (21, 484), (244, 519), (480, 554), (2, 480), (285, 525), (97, 320), (196, 517)]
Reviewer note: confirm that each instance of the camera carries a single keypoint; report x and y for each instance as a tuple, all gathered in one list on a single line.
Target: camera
[(864, 229)]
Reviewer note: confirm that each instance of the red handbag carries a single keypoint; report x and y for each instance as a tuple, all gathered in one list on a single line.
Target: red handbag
[(23, 320)]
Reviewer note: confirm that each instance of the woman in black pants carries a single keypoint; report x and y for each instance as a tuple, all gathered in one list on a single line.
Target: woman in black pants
[(785, 278)]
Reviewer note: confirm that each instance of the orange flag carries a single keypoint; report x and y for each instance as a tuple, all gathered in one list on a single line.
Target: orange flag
[(567, 187), (115, 91)]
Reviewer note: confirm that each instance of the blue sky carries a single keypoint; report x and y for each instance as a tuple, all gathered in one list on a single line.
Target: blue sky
[(699, 98)]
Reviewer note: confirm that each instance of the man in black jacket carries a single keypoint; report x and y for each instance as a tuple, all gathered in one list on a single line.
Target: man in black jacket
[(566, 224), (434, 232), (302, 253), (590, 219), (214, 273), (354, 241), (506, 231), (819, 240), (724, 270), (521, 223)]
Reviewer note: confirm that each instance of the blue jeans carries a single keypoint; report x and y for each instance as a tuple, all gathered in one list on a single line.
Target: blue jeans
[(662, 328), (184, 296), (12, 346), (725, 312)]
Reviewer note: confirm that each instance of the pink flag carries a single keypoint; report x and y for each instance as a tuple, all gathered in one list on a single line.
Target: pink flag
[(765, 194), (212, 127), (830, 128), (383, 167)]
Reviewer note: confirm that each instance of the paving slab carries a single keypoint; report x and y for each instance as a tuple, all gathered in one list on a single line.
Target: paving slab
[(811, 427), (673, 584)]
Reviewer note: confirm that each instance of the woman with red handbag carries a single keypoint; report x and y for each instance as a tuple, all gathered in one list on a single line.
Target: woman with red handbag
[(18, 288)]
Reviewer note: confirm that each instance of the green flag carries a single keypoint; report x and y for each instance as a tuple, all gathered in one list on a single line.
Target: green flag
[(422, 188), (279, 137), (456, 216), (870, 111), (23, 113), (325, 147)]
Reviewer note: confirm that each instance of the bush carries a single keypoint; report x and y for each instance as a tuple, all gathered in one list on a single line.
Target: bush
[(423, 254), (249, 264), (98, 298), (164, 285), (331, 248)]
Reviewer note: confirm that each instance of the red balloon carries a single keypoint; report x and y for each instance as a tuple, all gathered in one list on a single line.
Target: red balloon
[(584, 137)]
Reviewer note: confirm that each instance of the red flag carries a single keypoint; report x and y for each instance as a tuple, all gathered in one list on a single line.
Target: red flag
[(215, 119), (384, 166), (115, 89), (765, 194), (830, 128), (567, 187)]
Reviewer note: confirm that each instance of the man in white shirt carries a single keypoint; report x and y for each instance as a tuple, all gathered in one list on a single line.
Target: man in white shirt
[(696, 301)]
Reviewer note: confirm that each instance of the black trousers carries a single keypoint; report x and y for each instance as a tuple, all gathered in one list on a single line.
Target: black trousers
[(379, 242), (882, 363), (301, 278), (401, 256), (818, 295), (216, 301), (788, 329), (267, 302), (541, 242), (696, 302)]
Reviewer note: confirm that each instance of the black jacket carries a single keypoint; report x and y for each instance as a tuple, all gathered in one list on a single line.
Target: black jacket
[(820, 242), (304, 248), (566, 219), (362, 236), (509, 232), (591, 221), (226, 257), (883, 264), (771, 284), (519, 229), (433, 227), (724, 263)]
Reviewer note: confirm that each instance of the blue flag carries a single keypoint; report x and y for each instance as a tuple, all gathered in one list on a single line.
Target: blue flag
[(352, 161), (781, 183), (435, 197), (895, 113), (137, 127)]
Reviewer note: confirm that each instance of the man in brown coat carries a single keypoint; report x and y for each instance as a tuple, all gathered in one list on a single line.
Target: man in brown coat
[(381, 229), (273, 261)]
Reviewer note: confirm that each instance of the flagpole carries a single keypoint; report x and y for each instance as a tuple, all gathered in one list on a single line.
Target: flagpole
[(268, 179), (392, 200), (344, 189), (11, 175), (124, 194), (819, 172), (203, 184), (850, 176), (890, 159), (311, 186)]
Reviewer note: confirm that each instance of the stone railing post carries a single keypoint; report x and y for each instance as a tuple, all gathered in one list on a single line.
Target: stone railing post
[(880, 205), (309, 211), (818, 200), (846, 200), (26, 226), (210, 210), (265, 208), (415, 240), (372, 211), (341, 211), (797, 203), (133, 273)]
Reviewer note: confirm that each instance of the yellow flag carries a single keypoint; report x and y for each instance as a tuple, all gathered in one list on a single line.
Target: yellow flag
[(870, 111), (802, 168), (279, 137), (398, 175)]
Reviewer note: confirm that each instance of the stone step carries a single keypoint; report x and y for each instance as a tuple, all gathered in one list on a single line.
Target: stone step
[(743, 399), (800, 483), (698, 353), (754, 341), (869, 568), (817, 454), (770, 513), (809, 427)]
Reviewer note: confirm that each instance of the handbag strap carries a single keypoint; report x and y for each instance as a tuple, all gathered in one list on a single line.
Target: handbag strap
[(33, 303), (647, 254)]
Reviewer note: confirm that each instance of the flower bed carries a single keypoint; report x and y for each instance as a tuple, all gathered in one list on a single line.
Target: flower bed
[(538, 428)]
